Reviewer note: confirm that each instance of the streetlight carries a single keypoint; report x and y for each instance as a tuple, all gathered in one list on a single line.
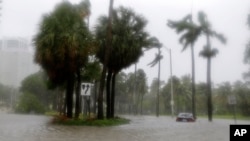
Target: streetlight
[(171, 82)]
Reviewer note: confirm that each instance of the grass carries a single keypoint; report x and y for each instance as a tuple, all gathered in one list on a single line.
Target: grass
[(87, 121)]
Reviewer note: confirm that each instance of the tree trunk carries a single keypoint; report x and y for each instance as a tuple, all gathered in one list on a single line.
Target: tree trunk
[(193, 82), (100, 94), (209, 89), (112, 108), (95, 95), (137, 101), (78, 91), (158, 90), (134, 104), (69, 95), (141, 103), (61, 101), (65, 105), (108, 95), (106, 57)]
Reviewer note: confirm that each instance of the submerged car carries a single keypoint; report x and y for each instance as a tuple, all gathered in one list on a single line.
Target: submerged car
[(185, 117)]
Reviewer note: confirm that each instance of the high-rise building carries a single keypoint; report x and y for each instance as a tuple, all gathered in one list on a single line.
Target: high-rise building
[(16, 61)]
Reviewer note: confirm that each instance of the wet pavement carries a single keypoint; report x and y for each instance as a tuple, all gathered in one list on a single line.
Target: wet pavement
[(141, 128)]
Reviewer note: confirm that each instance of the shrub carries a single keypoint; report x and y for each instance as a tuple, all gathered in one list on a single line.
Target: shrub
[(29, 103)]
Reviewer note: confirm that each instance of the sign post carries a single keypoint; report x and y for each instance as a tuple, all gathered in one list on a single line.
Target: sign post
[(232, 101), (85, 93)]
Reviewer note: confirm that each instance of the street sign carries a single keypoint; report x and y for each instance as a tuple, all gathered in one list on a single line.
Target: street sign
[(86, 89)]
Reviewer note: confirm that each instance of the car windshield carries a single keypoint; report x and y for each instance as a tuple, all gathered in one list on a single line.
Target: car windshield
[(185, 115)]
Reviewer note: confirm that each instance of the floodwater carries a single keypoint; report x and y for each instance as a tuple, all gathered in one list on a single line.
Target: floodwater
[(141, 128)]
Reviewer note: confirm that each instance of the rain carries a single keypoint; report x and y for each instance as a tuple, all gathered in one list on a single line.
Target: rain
[(79, 67)]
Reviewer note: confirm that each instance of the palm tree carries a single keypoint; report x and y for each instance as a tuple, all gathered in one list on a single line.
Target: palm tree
[(84, 10), (107, 50), (59, 45), (190, 35), (157, 59), (129, 40), (141, 88), (208, 53)]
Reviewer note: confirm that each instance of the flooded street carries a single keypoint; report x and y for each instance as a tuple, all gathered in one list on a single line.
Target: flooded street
[(142, 128)]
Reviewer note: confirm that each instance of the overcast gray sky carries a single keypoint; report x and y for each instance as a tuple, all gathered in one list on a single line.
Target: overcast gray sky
[(20, 18)]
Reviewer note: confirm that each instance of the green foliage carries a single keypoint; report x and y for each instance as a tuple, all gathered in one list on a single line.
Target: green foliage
[(128, 38), (190, 31), (91, 71), (208, 52), (240, 90), (35, 84), (181, 93), (220, 98), (201, 98), (63, 44), (130, 92), (28, 103), (89, 121), (5, 95), (62, 39), (141, 82), (158, 58)]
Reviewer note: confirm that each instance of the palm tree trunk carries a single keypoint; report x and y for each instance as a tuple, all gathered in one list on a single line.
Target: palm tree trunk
[(106, 56), (78, 90), (209, 89), (100, 95), (134, 104), (141, 103), (158, 90), (108, 98), (61, 101), (193, 82), (95, 95), (69, 95), (112, 108)]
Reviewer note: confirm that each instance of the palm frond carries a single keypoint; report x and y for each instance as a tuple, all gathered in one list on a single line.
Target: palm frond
[(84, 8), (220, 37), (208, 53), (157, 59)]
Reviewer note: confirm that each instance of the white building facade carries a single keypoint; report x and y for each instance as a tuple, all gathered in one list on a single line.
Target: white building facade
[(16, 61)]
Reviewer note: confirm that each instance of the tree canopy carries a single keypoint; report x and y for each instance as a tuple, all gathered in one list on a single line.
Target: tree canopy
[(129, 38), (63, 46), (61, 38)]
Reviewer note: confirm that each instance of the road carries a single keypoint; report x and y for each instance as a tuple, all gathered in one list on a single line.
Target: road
[(141, 128)]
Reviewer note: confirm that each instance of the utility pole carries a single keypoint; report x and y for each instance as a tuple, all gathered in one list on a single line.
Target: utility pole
[(1, 5), (172, 92)]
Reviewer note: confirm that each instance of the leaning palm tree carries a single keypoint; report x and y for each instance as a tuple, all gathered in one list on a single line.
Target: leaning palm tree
[(191, 32), (157, 60), (208, 53)]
